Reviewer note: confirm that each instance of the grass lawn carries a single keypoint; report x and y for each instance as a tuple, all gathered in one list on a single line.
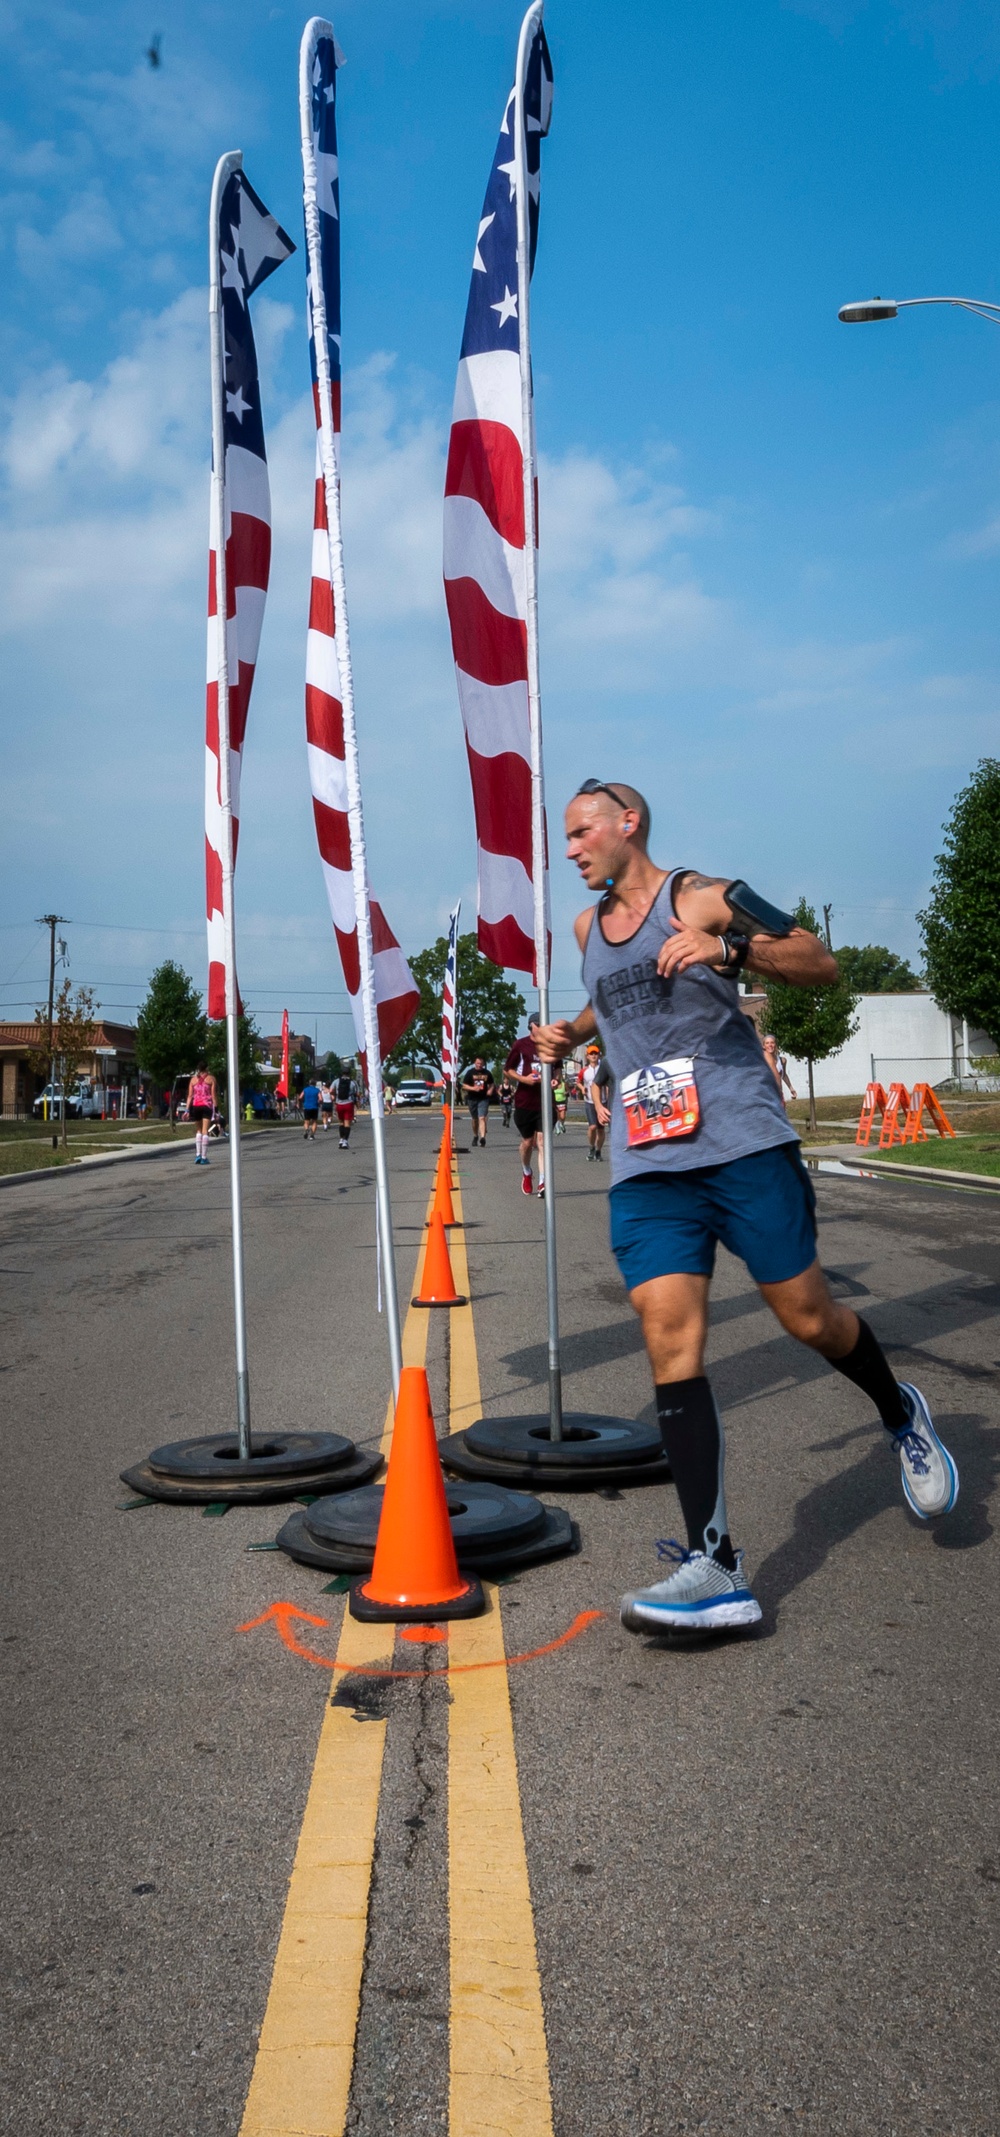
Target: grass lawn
[(968, 1153), (26, 1146)]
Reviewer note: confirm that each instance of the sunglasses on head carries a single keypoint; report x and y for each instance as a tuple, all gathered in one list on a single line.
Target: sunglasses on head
[(600, 786)]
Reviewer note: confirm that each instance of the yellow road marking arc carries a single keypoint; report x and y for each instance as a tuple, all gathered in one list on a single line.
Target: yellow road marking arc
[(499, 2073)]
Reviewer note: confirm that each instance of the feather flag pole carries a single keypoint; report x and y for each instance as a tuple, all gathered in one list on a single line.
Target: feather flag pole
[(384, 998), (245, 246)]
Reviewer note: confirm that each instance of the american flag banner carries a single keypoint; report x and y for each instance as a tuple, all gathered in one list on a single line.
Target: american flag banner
[(449, 992), (489, 577), (368, 948), (246, 245)]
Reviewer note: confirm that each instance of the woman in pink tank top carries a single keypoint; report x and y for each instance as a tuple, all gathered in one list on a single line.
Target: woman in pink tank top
[(201, 1103)]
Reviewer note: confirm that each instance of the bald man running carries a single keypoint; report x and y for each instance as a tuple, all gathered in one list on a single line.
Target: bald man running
[(702, 1150)]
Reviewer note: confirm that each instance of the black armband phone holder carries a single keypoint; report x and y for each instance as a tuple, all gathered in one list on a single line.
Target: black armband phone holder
[(749, 909)]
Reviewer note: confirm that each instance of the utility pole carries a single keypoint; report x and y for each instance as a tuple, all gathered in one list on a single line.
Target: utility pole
[(52, 921), (827, 910)]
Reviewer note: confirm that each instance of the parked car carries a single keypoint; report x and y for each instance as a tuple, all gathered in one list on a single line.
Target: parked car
[(414, 1092), (82, 1101)]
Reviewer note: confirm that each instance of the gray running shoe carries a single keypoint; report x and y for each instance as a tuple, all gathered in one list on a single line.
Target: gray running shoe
[(930, 1478), (698, 1596)]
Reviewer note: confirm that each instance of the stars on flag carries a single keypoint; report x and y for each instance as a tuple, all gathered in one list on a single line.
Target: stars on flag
[(507, 307)]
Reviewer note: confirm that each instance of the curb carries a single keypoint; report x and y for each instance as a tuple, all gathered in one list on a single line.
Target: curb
[(925, 1172), (77, 1166)]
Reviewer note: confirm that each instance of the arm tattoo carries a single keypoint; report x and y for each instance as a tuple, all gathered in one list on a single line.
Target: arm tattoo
[(695, 882)]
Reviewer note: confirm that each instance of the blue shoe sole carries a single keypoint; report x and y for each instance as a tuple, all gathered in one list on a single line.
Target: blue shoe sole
[(927, 1427)]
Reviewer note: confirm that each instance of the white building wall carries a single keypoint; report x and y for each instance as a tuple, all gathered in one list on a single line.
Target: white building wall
[(901, 1038)]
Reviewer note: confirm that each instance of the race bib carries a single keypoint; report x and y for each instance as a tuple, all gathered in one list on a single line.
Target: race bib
[(661, 1102)]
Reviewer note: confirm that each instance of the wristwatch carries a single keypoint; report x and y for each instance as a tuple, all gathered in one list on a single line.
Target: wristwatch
[(737, 949)]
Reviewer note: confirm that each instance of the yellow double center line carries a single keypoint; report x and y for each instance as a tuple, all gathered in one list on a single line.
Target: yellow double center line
[(499, 2083)]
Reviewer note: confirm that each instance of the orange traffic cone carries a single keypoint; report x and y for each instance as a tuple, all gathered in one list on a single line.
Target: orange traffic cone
[(443, 1203), (438, 1281), (415, 1573)]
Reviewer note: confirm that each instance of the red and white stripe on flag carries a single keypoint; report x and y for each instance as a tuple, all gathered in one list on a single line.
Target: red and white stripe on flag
[(484, 535), (248, 559), (485, 591), (396, 993)]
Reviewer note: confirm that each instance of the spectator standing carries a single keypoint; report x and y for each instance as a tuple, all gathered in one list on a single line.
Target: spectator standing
[(779, 1068)]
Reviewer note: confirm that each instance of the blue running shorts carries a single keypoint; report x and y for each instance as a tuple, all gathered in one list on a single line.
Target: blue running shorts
[(762, 1207)]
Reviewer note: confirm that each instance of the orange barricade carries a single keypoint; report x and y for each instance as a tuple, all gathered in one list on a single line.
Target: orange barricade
[(897, 1102), (925, 1100), (874, 1102)]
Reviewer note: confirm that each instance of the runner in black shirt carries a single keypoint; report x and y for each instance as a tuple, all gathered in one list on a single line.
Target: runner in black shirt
[(477, 1083)]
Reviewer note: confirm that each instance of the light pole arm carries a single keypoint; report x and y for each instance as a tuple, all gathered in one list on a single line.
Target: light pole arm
[(870, 308)]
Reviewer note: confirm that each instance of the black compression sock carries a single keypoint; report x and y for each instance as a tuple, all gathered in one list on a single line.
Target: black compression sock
[(868, 1367), (695, 1446)]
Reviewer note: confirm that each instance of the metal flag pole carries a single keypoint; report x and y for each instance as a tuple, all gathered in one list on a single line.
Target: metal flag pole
[(223, 172), (454, 1027), (539, 857), (359, 865)]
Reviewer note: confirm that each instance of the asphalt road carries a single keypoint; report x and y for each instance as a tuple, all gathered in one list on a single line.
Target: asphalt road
[(765, 1873)]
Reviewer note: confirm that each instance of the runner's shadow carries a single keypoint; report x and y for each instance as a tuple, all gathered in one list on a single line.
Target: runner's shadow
[(837, 1508)]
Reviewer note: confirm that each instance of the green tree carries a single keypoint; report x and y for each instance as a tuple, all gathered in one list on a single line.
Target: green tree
[(74, 1036), (333, 1066), (490, 1007), (170, 1031), (873, 969), (248, 1045), (810, 1022), (959, 922)]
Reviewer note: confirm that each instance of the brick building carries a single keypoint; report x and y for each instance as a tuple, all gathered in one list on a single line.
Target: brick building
[(111, 1062)]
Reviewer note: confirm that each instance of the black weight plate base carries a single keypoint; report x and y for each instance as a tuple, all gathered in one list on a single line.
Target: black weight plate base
[(256, 1491), (277, 1454), (587, 1442), (439, 1302), (483, 1516), (468, 1605), (456, 1457), (557, 1537)]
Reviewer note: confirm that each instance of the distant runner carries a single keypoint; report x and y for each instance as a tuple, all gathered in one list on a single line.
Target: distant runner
[(346, 1098), (202, 1100), (596, 1077), (326, 1104), (560, 1099), (701, 1150), (310, 1109), (477, 1083), (525, 1074), (506, 1100)]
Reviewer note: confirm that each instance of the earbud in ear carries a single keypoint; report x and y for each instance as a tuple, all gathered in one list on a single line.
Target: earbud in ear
[(609, 882)]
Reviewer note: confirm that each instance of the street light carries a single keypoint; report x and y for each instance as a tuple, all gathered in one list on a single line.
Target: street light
[(887, 307)]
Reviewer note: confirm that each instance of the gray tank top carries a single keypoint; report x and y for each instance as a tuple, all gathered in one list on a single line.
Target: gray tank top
[(643, 1019)]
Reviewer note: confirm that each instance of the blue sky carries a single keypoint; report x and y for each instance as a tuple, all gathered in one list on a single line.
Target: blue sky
[(770, 544)]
